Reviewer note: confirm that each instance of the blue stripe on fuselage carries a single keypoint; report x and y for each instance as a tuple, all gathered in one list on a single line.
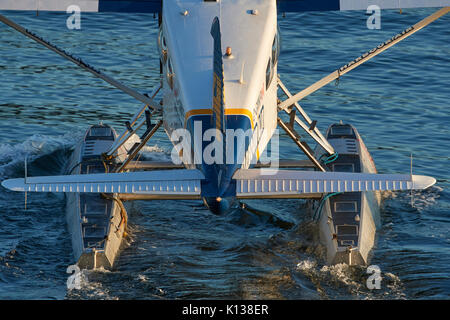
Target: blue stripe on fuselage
[(225, 186)]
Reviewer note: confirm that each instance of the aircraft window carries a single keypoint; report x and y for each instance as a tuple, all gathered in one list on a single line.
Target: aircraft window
[(275, 49), (269, 73), (260, 120), (169, 67), (163, 46), (170, 74), (347, 206), (343, 167), (162, 40)]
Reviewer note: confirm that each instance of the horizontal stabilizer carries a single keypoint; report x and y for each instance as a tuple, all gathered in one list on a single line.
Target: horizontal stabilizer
[(167, 182), (271, 183)]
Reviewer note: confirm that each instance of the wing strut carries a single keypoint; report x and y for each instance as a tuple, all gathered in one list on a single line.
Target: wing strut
[(301, 144), (144, 139), (139, 96), (364, 58), (310, 126), (132, 127)]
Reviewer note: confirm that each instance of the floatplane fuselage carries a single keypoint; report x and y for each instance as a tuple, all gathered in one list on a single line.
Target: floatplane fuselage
[(219, 67)]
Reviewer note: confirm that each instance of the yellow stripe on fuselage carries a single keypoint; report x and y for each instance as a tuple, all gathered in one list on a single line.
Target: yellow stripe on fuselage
[(242, 112), (197, 112), (229, 112)]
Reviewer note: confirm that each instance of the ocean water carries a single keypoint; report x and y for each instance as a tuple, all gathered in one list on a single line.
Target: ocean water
[(179, 250)]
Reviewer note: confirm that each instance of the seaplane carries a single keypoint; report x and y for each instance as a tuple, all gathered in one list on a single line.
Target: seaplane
[(221, 107)]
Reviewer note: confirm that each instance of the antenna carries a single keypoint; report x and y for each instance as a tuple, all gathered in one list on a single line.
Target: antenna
[(412, 181), (241, 79), (25, 180)]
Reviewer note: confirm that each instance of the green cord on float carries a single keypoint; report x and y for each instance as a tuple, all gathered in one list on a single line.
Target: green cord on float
[(318, 212), (329, 159)]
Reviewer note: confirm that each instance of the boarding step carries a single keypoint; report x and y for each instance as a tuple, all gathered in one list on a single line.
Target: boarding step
[(95, 243)]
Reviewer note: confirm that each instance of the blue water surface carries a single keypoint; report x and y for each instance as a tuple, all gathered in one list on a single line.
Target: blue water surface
[(398, 102)]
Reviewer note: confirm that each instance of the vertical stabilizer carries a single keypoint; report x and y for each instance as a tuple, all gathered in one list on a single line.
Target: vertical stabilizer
[(218, 101)]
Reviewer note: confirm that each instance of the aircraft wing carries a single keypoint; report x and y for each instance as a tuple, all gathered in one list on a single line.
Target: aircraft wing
[(152, 6), (343, 5), (260, 183), (145, 6), (163, 182)]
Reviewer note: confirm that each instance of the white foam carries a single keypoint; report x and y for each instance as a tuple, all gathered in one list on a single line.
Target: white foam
[(142, 278), (156, 153), (306, 265), (34, 147), (148, 152), (131, 141), (91, 288), (342, 273), (424, 199), (420, 199)]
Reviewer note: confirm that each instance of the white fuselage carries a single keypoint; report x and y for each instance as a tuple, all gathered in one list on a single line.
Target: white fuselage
[(249, 81), (249, 28)]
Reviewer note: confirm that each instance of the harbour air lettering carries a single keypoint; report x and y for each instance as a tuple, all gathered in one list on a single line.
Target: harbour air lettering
[(374, 50), (193, 310)]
